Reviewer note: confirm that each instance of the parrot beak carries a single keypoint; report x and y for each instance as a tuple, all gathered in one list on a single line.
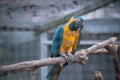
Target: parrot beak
[(79, 29), (79, 26)]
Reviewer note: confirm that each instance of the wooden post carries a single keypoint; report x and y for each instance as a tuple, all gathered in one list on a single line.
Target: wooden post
[(113, 50), (44, 54)]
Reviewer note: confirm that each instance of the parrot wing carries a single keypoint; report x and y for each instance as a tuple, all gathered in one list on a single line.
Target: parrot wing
[(56, 42)]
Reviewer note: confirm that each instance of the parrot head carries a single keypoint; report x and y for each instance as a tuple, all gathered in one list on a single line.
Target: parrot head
[(78, 23)]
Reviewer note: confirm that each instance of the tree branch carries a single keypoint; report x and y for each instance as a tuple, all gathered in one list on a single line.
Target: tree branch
[(32, 65), (97, 75), (100, 51), (93, 48), (89, 6), (113, 51)]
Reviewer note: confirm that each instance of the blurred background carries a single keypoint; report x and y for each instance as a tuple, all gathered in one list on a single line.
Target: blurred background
[(22, 37)]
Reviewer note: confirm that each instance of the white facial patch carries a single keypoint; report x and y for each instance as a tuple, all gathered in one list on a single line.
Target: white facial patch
[(77, 20)]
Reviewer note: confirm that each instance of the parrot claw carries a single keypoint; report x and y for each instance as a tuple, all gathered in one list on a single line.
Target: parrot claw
[(68, 58), (84, 58)]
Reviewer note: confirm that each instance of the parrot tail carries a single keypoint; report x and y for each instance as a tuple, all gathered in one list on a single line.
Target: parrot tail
[(54, 73)]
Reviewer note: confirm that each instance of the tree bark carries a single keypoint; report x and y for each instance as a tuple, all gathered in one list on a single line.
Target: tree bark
[(33, 65), (113, 50)]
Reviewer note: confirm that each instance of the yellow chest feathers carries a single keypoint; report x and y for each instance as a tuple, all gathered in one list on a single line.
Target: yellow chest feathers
[(69, 41)]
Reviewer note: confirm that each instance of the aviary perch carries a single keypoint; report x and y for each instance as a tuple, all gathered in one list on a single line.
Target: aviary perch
[(32, 65)]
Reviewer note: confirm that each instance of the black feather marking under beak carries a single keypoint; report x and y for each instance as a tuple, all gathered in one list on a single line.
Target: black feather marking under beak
[(79, 26)]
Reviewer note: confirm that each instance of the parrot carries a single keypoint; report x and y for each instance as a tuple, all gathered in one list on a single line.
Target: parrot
[(64, 43)]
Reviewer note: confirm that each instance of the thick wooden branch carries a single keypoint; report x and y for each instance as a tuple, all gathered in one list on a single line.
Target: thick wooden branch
[(32, 65), (89, 6), (93, 48), (113, 51)]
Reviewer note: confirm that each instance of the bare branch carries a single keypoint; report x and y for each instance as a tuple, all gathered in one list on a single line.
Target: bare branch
[(113, 51), (85, 9), (100, 51), (93, 48), (97, 75), (32, 65)]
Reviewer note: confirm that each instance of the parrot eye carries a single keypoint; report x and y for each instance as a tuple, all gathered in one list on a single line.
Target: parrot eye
[(77, 20)]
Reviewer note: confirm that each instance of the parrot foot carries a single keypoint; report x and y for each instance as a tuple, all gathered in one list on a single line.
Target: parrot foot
[(68, 58)]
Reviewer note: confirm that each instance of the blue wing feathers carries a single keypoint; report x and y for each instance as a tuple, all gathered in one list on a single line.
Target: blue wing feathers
[(56, 41)]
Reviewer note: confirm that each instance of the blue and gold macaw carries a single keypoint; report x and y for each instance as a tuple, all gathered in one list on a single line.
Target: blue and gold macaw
[(65, 43)]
